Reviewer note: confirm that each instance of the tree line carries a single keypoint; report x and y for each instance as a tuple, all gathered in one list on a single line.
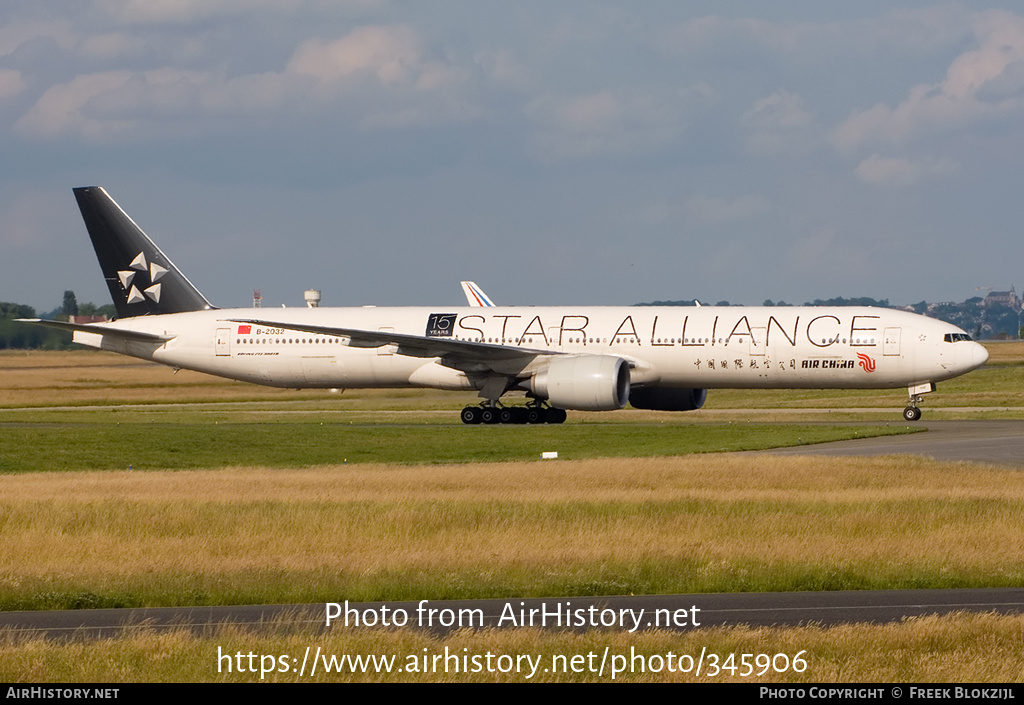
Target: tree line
[(983, 321), (23, 336)]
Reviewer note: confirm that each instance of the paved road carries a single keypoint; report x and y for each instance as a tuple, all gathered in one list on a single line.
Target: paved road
[(997, 442), (680, 612)]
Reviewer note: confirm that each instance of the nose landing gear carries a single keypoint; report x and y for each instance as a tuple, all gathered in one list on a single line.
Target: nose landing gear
[(912, 413)]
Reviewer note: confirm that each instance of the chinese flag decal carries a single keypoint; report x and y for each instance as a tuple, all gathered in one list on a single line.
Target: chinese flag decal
[(246, 330)]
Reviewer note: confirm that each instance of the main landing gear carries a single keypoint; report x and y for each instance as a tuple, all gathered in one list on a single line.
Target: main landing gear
[(532, 413)]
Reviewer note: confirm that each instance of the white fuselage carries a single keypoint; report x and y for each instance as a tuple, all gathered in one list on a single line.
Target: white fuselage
[(684, 347)]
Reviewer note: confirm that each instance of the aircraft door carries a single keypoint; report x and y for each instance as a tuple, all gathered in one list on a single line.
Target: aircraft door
[(222, 342), (891, 341)]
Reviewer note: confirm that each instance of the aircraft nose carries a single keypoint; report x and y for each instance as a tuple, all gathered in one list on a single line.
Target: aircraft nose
[(979, 355)]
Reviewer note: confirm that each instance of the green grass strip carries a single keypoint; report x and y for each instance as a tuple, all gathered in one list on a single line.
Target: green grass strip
[(182, 446)]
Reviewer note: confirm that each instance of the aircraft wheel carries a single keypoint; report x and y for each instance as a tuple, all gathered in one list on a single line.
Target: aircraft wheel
[(519, 414), (471, 415), (489, 415), (556, 415), (505, 415), (536, 414), (912, 413)]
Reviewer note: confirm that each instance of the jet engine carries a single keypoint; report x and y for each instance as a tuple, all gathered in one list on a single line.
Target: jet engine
[(583, 382), (668, 398)]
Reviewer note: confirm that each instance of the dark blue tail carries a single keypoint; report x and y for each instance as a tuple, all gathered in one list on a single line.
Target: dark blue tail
[(142, 279)]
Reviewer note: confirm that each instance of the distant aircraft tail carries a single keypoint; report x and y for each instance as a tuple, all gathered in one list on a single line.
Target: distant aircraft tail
[(142, 279), (475, 295)]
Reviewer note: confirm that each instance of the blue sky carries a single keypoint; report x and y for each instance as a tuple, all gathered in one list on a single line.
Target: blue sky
[(555, 152)]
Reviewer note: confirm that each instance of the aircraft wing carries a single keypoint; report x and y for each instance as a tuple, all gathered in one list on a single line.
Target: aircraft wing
[(104, 330), (457, 353)]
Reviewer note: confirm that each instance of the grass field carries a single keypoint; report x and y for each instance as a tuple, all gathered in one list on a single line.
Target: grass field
[(311, 496), (954, 649), (96, 411), (298, 442), (712, 523)]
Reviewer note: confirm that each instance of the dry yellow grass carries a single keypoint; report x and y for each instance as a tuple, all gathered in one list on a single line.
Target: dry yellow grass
[(729, 522), (706, 522), (953, 649), (1008, 352), (41, 378), (37, 378)]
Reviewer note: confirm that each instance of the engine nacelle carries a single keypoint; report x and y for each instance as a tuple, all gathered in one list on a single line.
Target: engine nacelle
[(584, 382), (668, 398)]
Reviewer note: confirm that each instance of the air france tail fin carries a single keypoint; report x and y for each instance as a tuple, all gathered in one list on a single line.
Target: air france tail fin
[(142, 279), (475, 295)]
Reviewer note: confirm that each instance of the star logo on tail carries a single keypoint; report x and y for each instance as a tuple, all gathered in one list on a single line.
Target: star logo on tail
[(133, 284)]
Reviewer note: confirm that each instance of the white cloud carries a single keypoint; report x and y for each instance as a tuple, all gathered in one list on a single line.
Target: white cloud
[(778, 124), (112, 45), (984, 83), (11, 83), (620, 121), (64, 108), (14, 34), (911, 31), (389, 76), (123, 105), (162, 11), (185, 11), (374, 76), (705, 210), (391, 54), (892, 171), (501, 67), (706, 33)]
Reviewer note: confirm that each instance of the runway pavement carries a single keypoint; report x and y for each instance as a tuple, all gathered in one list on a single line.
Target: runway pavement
[(677, 612), (997, 442)]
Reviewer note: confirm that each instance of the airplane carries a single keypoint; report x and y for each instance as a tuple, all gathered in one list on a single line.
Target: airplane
[(569, 357)]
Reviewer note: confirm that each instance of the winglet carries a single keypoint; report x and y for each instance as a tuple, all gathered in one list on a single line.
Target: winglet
[(475, 295)]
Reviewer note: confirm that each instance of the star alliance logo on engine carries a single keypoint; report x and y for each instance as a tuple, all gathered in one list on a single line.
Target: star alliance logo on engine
[(128, 276)]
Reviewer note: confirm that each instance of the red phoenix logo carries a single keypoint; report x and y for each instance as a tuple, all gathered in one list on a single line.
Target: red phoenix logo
[(866, 362)]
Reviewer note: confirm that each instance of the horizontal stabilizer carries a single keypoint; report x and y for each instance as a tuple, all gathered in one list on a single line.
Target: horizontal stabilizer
[(99, 329)]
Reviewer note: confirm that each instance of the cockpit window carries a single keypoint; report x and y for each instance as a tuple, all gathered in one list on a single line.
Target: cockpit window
[(956, 337)]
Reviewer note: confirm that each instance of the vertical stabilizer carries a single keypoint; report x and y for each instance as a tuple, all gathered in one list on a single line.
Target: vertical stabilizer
[(475, 295), (142, 279)]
